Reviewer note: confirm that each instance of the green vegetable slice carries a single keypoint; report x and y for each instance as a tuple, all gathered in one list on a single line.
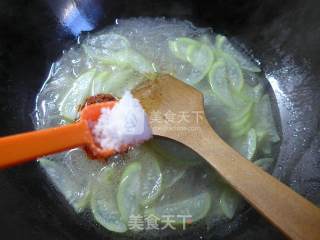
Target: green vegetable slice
[(121, 80), (76, 95), (241, 131), (151, 177), (171, 175), (199, 55), (246, 146), (131, 58), (105, 44), (76, 194), (240, 115), (172, 168), (238, 125), (229, 202), (208, 40), (115, 49), (251, 94), (265, 143), (218, 80), (98, 83), (103, 201), (264, 163), (264, 122), (180, 46), (128, 196), (195, 208), (234, 73), (110, 41), (244, 62), (171, 152)]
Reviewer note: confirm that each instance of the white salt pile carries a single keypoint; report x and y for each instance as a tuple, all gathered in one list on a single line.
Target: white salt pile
[(125, 124)]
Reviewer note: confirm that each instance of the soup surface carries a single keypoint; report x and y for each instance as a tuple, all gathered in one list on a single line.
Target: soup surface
[(160, 185)]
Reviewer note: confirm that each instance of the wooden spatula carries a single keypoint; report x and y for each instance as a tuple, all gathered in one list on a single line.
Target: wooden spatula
[(291, 213)]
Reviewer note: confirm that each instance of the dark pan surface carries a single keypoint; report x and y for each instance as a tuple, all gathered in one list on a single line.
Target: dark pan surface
[(284, 35)]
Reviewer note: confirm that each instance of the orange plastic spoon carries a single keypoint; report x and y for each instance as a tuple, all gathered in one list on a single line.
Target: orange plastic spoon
[(20, 148)]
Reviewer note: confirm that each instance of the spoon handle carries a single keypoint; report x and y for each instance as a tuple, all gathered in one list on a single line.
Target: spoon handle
[(20, 148), (295, 216)]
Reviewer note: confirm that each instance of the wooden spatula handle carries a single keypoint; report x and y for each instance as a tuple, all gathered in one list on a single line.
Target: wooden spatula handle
[(24, 147), (291, 213)]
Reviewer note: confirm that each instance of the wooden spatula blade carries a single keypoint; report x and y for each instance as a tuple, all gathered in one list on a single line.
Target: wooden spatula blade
[(166, 97)]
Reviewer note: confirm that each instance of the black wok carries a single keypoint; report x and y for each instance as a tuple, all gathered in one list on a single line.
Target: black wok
[(283, 35)]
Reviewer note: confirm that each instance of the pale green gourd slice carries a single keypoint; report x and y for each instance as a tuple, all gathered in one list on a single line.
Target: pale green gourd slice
[(197, 207), (180, 46), (104, 205), (251, 94), (201, 58), (171, 175), (83, 171), (110, 41), (151, 176), (264, 163), (172, 167), (264, 141), (241, 131), (241, 114), (218, 81), (264, 121), (130, 58), (229, 202), (208, 40), (80, 89), (99, 47), (99, 82), (62, 178), (128, 196), (171, 152), (239, 124), (233, 70), (246, 146), (121, 80), (199, 55), (244, 61)]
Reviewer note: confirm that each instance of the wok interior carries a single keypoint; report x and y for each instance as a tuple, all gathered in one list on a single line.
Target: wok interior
[(283, 35)]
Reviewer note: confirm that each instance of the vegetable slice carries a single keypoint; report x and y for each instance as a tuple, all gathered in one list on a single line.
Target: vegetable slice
[(264, 163), (199, 55), (195, 207), (234, 73), (128, 196), (105, 44), (251, 94), (247, 146), (229, 202), (98, 82), (180, 46), (171, 175), (103, 201), (171, 152), (151, 177), (219, 83), (244, 61), (131, 58), (120, 80), (264, 122), (76, 95), (76, 194)]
